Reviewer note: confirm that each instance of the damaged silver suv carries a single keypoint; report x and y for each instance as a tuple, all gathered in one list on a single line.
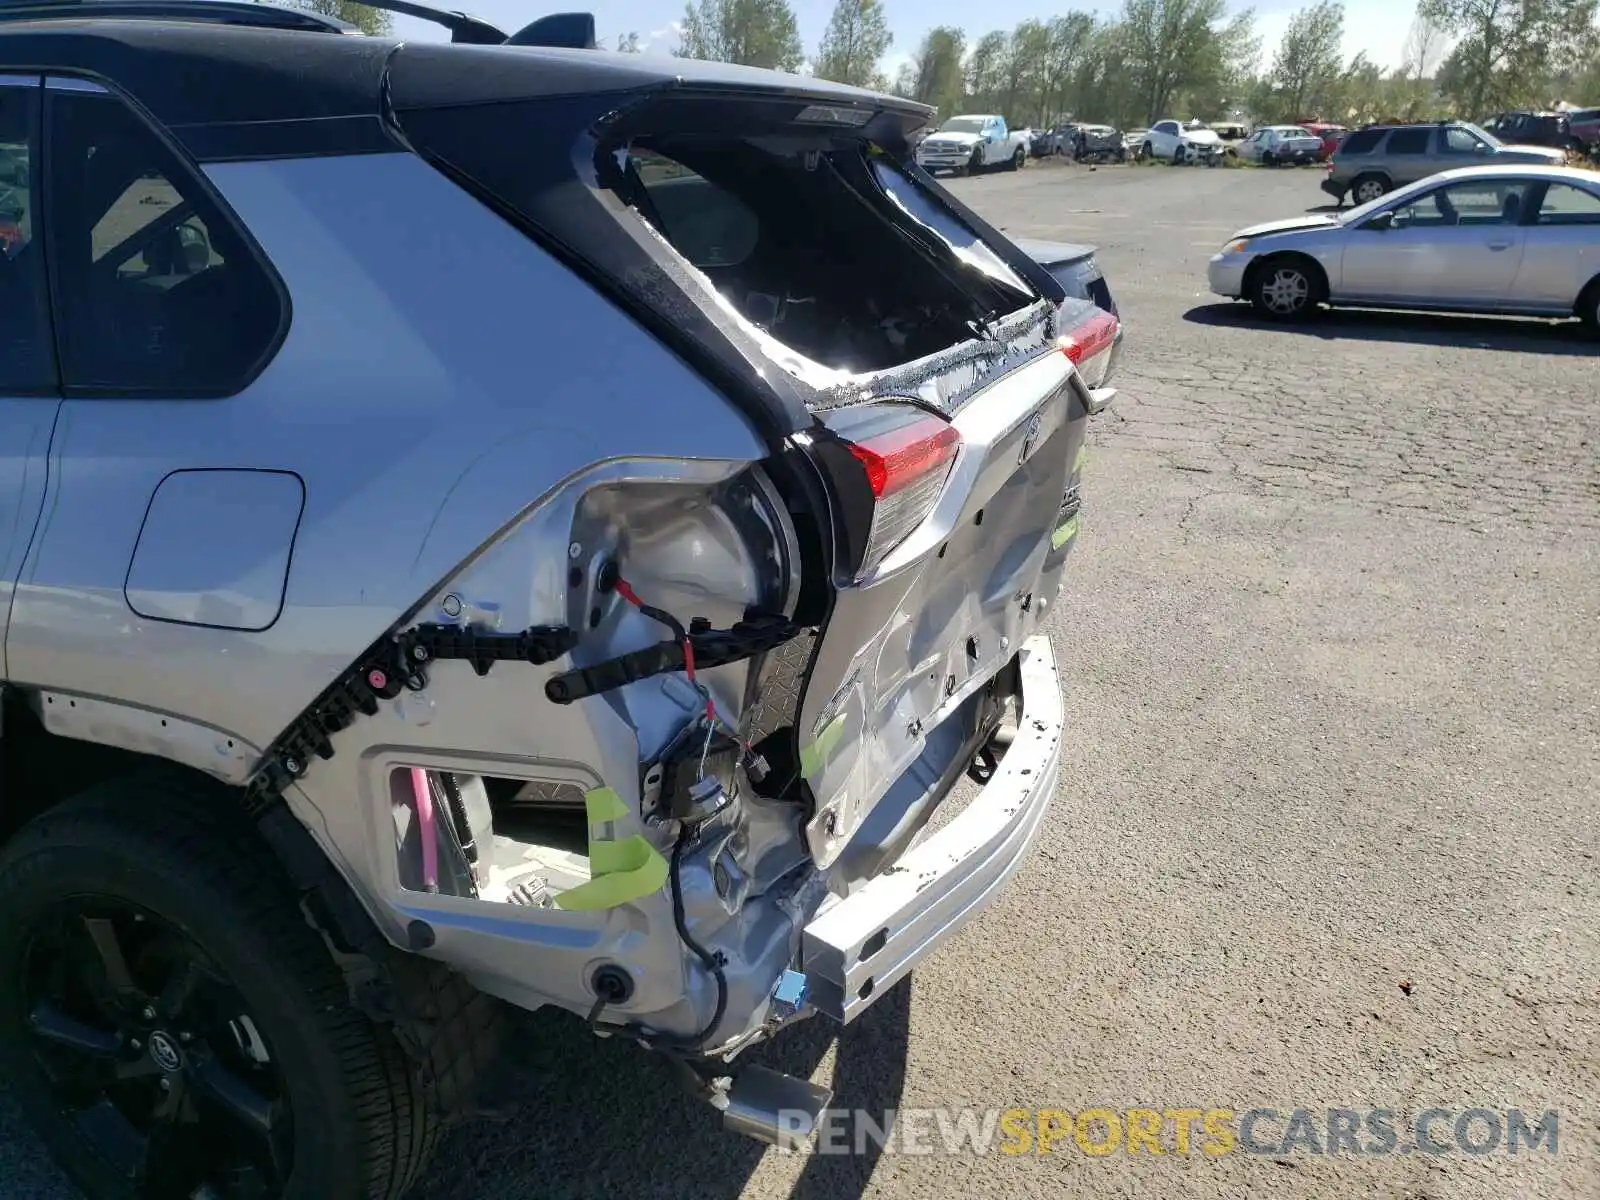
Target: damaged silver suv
[(490, 525)]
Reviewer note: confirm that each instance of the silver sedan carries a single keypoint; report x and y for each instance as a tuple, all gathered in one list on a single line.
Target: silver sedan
[(1514, 239)]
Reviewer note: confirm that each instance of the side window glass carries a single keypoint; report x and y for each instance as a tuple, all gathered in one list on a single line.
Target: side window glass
[(27, 357), (1476, 203), (1564, 204), (1461, 141), (158, 293), (1361, 141), (1409, 141)]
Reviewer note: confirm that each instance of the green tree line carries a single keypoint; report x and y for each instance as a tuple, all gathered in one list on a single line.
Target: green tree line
[(1184, 58)]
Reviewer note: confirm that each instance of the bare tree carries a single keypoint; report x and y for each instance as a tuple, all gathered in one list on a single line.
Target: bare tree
[(1426, 45)]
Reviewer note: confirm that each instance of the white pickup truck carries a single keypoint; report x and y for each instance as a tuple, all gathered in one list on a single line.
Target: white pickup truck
[(970, 143)]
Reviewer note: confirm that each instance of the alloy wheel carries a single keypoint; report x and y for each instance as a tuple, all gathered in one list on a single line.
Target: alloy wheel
[(1286, 291), (1368, 190), (152, 1055)]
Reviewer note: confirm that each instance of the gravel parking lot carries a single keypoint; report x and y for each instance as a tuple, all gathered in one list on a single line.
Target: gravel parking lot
[(1326, 832)]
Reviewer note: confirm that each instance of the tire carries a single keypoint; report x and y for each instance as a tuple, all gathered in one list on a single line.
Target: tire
[(1269, 159), (1366, 188), (1285, 288), (1178, 157), (335, 1109), (1588, 307), (975, 163), (1018, 160), (1122, 154), (1144, 152)]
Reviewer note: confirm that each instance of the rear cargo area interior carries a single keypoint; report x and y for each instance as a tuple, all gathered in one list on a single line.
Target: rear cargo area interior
[(510, 841), (797, 235)]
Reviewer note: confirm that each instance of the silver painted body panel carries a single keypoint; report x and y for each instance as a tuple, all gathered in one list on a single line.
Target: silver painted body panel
[(413, 409), (1530, 268), (214, 548)]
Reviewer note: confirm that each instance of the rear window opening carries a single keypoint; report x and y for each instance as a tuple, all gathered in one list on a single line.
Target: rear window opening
[(836, 260)]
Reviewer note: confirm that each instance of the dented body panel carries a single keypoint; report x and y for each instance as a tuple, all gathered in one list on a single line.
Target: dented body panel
[(437, 578)]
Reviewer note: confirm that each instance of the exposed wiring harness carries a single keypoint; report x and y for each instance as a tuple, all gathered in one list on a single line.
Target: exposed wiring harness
[(713, 962)]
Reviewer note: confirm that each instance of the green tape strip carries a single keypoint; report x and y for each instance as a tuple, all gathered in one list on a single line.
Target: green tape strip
[(1082, 457), (619, 871), (1065, 532), (814, 756)]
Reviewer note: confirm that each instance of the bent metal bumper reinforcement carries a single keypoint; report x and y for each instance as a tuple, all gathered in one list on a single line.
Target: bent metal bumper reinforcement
[(856, 948), (399, 663)]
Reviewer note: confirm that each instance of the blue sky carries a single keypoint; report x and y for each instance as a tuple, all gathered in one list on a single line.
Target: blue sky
[(1376, 26)]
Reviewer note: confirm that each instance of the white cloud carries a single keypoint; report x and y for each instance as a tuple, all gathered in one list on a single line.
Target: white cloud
[(664, 40)]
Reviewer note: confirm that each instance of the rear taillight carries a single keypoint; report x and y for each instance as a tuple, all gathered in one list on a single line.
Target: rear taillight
[(906, 470), (1090, 338), (1089, 346)]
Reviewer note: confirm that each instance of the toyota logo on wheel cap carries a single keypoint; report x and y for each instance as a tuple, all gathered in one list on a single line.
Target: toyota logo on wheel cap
[(164, 1052)]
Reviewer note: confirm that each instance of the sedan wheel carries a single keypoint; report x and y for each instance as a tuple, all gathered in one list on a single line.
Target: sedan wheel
[(1284, 291)]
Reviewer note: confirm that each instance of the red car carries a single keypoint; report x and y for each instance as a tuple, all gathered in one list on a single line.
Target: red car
[(1331, 136)]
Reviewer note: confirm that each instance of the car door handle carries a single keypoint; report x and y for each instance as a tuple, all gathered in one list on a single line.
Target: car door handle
[(1501, 245)]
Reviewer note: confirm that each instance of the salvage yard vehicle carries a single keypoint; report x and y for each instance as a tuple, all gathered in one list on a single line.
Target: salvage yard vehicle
[(1380, 158), (1098, 143), (969, 144), (1181, 142), (362, 685), (1552, 129), (1519, 240), (1277, 145)]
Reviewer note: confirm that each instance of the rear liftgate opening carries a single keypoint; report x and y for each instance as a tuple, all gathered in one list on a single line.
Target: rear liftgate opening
[(816, 250)]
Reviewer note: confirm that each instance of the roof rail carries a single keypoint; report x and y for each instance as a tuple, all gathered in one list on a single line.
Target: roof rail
[(573, 30), (221, 12)]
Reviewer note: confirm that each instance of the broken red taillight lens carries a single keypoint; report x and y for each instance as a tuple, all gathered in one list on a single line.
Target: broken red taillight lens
[(1089, 346), (1093, 337), (906, 470)]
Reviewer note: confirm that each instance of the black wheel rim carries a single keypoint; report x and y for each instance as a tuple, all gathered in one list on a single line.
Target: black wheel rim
[(151, 1055)]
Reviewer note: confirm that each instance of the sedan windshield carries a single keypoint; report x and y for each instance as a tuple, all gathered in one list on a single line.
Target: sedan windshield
[(962, 125)]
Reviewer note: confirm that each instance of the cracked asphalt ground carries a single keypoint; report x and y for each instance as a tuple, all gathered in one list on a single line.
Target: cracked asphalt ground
[(1331, 645)]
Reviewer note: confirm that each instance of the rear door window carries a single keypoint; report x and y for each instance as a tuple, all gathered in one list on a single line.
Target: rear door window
[(27, 355), (1564, 204), (1362, 141), (1409, 141)]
